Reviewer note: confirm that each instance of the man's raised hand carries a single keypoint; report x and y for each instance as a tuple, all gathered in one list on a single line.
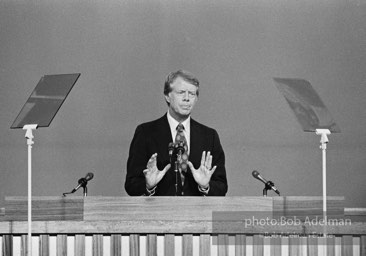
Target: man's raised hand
[(152, 175), (203, 174)]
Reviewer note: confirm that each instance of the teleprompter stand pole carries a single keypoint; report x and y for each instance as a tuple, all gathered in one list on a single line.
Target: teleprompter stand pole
[(29, 135), (323, 146)]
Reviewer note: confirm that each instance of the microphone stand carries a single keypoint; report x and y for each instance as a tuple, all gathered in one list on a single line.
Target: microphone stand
[(176, 176), (323, 146), (29, 135), (85, 190), (267, 186), (180, 150), (83, 183), (176, 164)]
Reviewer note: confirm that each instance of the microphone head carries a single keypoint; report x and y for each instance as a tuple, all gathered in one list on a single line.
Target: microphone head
[(89, 176), (171, 148), (180, 147), (255, 174), (258, 176)]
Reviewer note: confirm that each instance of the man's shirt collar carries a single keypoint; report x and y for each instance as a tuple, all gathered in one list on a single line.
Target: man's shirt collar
[(174, 123)]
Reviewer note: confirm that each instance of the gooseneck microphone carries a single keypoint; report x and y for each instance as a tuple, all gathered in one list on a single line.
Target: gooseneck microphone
[(83, 181), (268, 184)]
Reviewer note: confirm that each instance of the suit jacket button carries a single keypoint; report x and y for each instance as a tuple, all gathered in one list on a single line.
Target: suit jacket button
[(182, 193)]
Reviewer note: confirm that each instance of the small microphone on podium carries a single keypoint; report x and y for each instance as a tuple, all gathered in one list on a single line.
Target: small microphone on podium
[(83, 181), (268, 183)]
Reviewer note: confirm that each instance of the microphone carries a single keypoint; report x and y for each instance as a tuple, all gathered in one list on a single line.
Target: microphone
[(179, 147), (268, 183), (83, 181), (171, 149)]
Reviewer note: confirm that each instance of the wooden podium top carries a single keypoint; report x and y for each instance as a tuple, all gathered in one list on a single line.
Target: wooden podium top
[(164, 208)]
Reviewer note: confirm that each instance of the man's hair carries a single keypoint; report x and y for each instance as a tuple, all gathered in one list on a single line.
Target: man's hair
[(185, 75)]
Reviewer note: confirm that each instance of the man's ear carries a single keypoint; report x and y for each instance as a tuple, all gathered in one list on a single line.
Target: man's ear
[(167, 98)]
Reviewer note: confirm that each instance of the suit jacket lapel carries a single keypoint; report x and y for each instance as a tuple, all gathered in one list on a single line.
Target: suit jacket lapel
[(164, 137), (196, 144)]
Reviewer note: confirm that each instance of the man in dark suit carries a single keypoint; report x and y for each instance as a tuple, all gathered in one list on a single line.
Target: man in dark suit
[(152, 170)]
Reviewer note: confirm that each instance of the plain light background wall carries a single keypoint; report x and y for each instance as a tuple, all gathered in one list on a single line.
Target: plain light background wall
[(125, 49)]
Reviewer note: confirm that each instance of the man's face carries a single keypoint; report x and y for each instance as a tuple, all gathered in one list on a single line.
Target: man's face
[(182, 99)]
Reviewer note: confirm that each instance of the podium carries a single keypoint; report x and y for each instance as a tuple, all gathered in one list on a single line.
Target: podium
[(181, 226)]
